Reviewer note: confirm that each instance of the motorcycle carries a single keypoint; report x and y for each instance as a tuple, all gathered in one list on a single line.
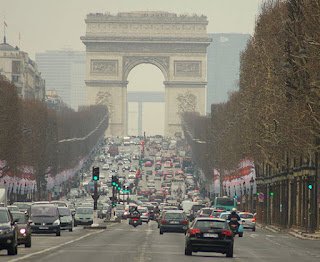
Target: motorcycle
[(236, 227), (135, 221)]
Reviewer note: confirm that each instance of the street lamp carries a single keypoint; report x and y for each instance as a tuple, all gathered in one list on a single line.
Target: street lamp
[(251, 193)]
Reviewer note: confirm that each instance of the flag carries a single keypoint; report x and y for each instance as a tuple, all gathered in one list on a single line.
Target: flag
[(5, 24)]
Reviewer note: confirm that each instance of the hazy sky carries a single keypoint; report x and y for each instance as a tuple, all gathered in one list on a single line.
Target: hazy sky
[(54, 24)]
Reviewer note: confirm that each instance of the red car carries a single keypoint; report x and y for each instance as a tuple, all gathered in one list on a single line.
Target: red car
[(148, 164)]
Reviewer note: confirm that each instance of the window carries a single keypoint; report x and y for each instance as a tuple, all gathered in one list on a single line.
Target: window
[(206, 224)]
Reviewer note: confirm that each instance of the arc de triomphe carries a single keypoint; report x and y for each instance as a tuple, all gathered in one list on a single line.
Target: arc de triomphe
[(176, 44)]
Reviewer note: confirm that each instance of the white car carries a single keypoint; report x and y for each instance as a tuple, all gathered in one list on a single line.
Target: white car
[(105, 167)]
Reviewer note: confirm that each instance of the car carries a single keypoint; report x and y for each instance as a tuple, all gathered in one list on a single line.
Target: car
[(60, 203), (173, 221), (44, 218), (216, 213), (23, 206), (66, 219), (248, 220), (24, 229), (167, 164), (209, 235), (145, 216), (8, 232), (83, 216), (105, 167), (148, 164), (205, 212)]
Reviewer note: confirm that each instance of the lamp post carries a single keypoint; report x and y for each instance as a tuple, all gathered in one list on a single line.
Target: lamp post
[(245, 194), (251, 194)]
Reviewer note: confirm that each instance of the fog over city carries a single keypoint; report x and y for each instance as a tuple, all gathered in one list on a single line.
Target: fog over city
[(155, 131), (40, 25)]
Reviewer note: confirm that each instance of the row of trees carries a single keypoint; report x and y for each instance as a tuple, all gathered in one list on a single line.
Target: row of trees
[(275, 116), (49, 141)]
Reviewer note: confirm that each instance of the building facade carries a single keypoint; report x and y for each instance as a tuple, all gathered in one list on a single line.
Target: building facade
[(64, 72), (23, 72)]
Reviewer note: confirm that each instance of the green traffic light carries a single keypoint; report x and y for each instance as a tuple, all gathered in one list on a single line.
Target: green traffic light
[(309, 186), (95, 178), (271, 193), (113, 183)]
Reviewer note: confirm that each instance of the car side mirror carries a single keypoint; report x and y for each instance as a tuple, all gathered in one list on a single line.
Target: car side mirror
[(29, 221), (15, 221)]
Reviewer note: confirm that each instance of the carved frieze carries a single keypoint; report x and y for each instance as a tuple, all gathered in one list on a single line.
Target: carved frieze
[(104, 67), (187, 68)]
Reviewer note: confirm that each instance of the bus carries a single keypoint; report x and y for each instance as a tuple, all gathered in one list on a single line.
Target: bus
[(225, 202)]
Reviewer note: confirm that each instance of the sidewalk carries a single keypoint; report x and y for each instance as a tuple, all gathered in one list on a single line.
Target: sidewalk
[(293, 232)]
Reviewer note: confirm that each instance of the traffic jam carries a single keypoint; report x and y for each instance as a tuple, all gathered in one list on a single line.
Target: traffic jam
[(136, 181)]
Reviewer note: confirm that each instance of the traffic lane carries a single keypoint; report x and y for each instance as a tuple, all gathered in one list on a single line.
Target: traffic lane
[(269, 246), (120, 243), (44, 241), (254, 246)]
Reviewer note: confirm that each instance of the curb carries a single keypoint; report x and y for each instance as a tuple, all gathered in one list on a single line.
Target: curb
[(292, 232)]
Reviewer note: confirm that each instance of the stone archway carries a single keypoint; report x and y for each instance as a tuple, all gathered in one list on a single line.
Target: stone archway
[(115, 44)]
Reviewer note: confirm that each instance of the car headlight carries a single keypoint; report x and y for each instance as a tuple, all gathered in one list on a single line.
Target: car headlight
[(22, 230), (57, 222)]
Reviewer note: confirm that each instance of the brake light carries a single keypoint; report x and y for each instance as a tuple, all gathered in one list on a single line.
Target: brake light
[(194, 231), (211, 216), (253, 220), (163, 221), (227, 233)]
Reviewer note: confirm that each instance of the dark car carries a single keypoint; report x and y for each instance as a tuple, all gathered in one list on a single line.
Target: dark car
[(23, 206), (209, 235), (24, 229), (8, 232), (44, 218), (173, 221)]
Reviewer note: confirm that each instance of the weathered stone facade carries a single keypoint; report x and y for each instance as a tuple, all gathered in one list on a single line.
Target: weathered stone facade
[(115, 44)]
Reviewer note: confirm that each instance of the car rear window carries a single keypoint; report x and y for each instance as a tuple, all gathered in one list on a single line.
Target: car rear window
[(246, 215), (205, 224), (206, 211), (174, 216)]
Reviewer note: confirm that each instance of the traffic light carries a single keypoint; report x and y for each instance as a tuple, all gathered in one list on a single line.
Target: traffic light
[(95, 173), (310, 183), (114, 180), (271, 193)]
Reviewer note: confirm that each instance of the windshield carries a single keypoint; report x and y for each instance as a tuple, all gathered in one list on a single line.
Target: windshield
[(84, 211), (43, 211), (22, 205), (4, 218), (64, 212)]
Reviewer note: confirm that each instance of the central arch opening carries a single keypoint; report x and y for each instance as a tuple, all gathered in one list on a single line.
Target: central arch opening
[(146, 105)]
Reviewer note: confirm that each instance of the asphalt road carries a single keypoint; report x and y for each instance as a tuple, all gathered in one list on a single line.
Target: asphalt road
[(121, 242)]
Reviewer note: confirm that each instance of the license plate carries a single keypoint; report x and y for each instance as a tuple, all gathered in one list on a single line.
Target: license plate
[(43, 228), (210, 235), (174, 222)]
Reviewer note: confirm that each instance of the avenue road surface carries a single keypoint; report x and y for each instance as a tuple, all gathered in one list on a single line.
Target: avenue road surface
[(121, 242)]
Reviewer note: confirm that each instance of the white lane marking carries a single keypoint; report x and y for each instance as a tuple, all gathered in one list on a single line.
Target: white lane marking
[(254, 235), (54, 247)]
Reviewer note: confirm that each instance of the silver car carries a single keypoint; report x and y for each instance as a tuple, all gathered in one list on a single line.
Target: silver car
[(248, 220)]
